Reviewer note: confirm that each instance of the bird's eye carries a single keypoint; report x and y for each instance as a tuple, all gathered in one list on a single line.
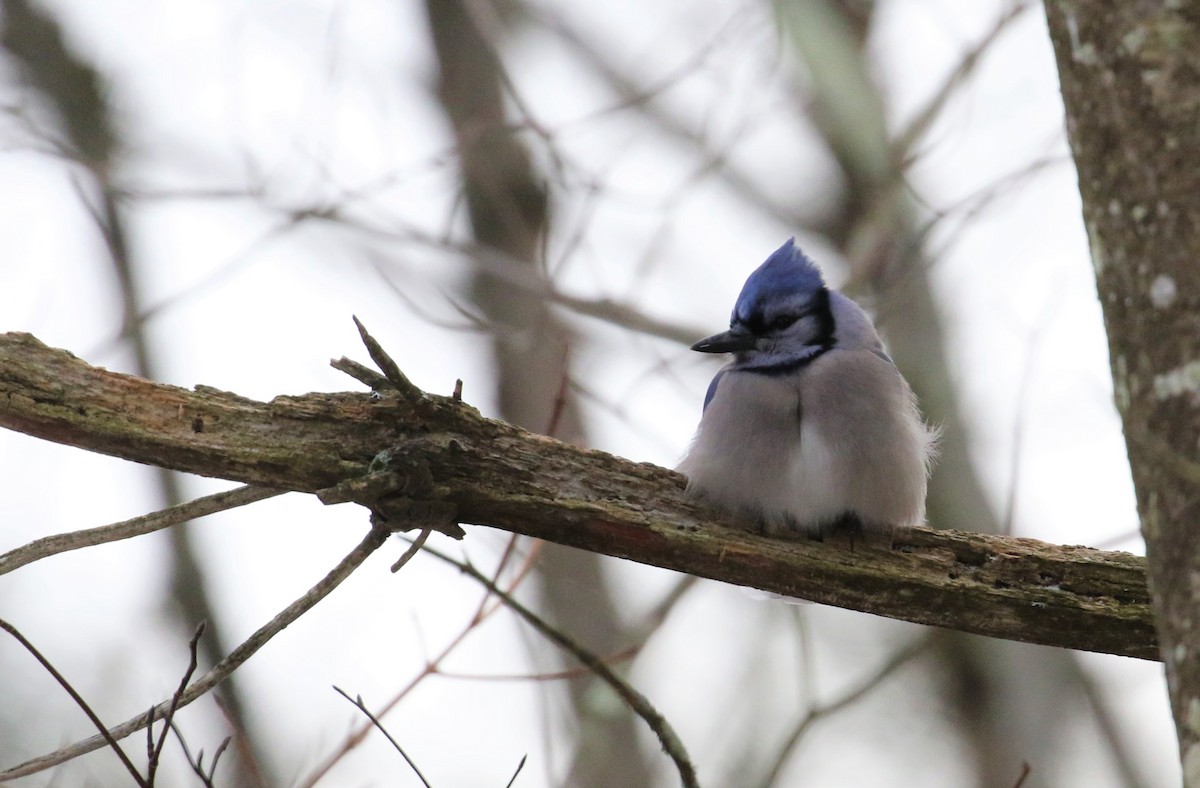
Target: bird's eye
[(781, 322)]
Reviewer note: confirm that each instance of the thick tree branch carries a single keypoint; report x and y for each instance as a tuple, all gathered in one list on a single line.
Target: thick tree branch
[(439, 455)]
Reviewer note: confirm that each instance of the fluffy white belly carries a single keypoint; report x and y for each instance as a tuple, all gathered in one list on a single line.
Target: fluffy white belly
[(773, 467), (813, 494)]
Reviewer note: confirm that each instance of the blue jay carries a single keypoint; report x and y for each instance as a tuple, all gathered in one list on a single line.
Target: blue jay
[(810, 428)]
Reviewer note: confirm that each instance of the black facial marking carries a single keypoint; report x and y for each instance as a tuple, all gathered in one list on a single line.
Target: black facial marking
[(821, 342), (781, 322), (754, 322), (824, 317)]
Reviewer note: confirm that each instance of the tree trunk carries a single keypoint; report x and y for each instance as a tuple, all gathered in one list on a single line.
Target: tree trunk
[(1130, 76)]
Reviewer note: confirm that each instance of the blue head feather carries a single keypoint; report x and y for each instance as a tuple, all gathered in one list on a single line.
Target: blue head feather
[(782, 320), (785, 275)]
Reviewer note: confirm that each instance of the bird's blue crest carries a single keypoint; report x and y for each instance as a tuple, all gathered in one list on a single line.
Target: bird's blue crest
[(786, 272)]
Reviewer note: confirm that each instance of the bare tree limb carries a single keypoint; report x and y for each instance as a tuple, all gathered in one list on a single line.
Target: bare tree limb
[(154, 747), (444, 454), (819, 711), (670, 741), (358, 702), (220, 672), (432, 666), (136, 526), (106, 737), (197, 761)]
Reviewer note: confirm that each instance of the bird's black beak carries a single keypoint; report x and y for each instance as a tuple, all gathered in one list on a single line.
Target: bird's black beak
[(731, 341)]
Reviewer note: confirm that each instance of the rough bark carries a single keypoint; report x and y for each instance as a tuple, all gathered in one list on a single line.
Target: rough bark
[(403, 454), (1130, 75)]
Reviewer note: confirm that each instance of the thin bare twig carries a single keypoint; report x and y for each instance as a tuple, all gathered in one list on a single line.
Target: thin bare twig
[(387, 366), (1032, 345), (358, 702), (965, 210), (494, 262), (526, 567), (106, 736), (241, 745), (667, 737), (654, 618), (1115, 744), (624, 655), (432, 666), (412, 550), (154, 749), (486, 22), (923, 120), (137, 526), (520, 766), (373, 540), (363, 374), (664, 119), (197, 763), (820, 711)]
